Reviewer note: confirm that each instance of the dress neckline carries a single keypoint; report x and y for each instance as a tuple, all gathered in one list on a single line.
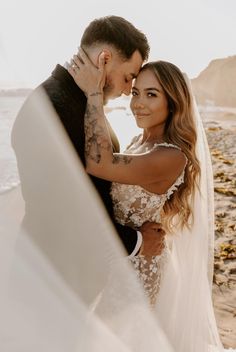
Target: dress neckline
[(157, 144)]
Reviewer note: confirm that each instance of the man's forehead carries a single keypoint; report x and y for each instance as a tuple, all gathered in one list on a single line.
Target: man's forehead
[(136, 64), (134, 69)]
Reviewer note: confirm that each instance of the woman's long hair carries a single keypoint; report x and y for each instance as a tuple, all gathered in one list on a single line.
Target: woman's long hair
[(180, 129)]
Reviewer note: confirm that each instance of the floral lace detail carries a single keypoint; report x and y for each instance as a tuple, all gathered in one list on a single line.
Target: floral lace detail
[(134, 205), (150, 272)]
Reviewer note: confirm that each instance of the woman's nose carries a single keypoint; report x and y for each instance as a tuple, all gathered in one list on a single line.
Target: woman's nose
[(138, 104)]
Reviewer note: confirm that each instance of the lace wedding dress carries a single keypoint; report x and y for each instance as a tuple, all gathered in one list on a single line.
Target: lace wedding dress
[(133, 205)]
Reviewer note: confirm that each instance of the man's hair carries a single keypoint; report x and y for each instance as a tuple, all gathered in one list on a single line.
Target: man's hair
[(120, 33)]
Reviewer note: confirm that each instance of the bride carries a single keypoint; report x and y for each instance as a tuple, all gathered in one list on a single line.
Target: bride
[(163, 176)]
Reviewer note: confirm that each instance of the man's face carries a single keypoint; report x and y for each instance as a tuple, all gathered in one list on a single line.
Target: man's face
[(120, 75)]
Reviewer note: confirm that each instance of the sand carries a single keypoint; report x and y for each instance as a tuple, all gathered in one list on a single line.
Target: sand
[(221, 136)]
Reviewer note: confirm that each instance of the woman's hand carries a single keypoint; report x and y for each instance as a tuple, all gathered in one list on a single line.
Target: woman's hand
[(88, 77)]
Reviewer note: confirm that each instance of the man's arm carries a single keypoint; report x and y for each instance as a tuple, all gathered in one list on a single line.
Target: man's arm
[(130, 238)]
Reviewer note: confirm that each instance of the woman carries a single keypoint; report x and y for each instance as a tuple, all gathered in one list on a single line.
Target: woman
[(149, 182), (164, 175)]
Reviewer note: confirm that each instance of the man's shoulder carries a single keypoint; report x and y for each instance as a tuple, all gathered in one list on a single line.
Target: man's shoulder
[(60, 88)]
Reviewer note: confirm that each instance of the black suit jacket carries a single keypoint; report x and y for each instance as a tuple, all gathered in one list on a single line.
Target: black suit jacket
[(70, 103)]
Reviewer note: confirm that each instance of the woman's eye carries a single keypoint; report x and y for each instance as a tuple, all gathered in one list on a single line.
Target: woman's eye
[(151, 94), (134, 93)]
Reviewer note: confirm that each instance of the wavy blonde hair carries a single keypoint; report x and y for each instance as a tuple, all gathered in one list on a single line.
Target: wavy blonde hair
[(180, 129)]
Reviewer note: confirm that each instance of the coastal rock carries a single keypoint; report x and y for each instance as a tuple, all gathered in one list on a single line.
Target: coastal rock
[(217, 83)]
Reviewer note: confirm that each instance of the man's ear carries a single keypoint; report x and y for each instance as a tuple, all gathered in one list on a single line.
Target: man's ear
[(107, 55)]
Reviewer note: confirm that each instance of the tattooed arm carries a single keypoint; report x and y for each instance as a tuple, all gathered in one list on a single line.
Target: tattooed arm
[(98, 145)]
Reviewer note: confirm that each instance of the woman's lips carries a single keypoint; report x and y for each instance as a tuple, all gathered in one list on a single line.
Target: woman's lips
[(140, 116)]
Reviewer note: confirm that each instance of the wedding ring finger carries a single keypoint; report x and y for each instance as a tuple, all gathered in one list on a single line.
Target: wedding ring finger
[(74, 66)]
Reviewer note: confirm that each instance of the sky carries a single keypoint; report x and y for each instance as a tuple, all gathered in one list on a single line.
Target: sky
[(36, 35)]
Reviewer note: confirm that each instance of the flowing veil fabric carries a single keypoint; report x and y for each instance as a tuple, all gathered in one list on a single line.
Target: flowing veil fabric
[(57, 280)]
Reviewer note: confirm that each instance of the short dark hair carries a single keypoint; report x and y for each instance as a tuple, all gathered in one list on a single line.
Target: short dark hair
[(120, 33)]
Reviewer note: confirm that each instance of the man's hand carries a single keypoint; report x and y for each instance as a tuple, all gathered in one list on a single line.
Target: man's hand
[(153, 239)]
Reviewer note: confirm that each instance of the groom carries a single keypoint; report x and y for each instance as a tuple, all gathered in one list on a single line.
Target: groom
[(126, 48)]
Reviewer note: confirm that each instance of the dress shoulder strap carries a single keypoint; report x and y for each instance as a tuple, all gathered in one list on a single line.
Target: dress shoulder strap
[(165, 144), (133, 140)]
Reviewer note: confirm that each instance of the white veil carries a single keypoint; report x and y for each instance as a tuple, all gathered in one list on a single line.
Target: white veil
[(184, 306), (73, 289)]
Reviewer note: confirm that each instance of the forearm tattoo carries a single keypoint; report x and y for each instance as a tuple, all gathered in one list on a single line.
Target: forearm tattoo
[(97, 139), (121, 158)]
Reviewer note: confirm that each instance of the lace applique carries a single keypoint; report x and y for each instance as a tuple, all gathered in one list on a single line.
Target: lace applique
[(133, 205), (175, 186), (150, 271), (165, 144)]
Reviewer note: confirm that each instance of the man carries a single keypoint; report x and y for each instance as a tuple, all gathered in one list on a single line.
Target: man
[(126, 48)]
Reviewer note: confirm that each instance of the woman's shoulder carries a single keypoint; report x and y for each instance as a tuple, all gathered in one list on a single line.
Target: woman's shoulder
[(171, 156)]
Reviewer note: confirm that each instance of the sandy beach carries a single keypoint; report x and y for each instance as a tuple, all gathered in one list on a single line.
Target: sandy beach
[(221, 135)]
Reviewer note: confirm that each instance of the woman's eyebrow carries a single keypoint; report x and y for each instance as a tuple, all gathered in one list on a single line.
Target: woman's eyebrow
[(151, 88)]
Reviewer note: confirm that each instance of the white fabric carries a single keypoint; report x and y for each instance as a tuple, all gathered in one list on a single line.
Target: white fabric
[(138, 244)]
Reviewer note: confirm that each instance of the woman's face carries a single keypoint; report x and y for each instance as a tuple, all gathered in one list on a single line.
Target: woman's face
[(149, 103)]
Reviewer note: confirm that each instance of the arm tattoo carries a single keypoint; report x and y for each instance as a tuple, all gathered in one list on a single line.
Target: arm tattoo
[(95, 94), (122, 158), (95, 136), (97, 139)]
